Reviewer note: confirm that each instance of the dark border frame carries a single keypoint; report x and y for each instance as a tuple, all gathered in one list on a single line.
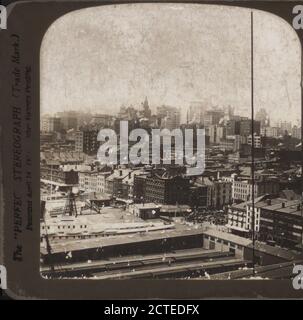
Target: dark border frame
[(30, 20)]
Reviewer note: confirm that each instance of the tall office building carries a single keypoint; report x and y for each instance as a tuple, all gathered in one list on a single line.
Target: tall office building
[(86, 141), (69, 119), (246, 127), (213, 117), (169, 117), (196, 112), (50, 124)]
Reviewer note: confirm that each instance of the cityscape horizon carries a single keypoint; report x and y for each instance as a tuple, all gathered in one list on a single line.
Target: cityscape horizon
[(219, 195)]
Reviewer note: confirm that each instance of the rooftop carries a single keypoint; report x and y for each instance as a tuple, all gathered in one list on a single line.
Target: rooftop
[(280, 205), (228, 237), (173, 208), (290, 195), (62, 156), (99, 196), (119, 174), (147, 206), (67, 246), (275, 251), (243, 205)]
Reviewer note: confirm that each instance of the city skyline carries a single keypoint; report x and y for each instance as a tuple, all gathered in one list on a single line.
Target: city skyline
[(166, 61)]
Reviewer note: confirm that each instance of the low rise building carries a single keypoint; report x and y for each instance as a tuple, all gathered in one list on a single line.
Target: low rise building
[(198, 195), (240, 217), (58, 177), (94, 180), (237, 219), (281, 221), (277, 220), (264, 254), (147, 211), (219, 192), (114, 182)]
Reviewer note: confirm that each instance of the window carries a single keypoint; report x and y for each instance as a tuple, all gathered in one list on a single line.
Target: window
[(232, 250), (212, 245)]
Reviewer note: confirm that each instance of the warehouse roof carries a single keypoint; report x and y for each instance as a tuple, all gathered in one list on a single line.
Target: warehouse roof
[(228, 237), (100, 242), (276, 251)]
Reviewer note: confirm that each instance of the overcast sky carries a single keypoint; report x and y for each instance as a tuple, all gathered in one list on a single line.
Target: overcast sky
[(100, 58)]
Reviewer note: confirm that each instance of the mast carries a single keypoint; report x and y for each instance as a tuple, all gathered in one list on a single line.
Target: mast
[(301, 202), (51, 186), (252, 138)]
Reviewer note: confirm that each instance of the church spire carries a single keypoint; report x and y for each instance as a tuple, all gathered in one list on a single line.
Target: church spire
[(145, 103)]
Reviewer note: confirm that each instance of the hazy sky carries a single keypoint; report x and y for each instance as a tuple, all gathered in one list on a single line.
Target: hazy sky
[(100, 58)]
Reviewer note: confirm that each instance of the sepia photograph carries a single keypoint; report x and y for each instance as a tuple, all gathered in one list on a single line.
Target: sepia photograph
[(169, 144)]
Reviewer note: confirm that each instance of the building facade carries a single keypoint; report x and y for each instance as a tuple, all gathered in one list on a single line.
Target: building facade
[(50, 124), (257, 141), (58, 176), (242, 189), (161, 190), (281, 222), (219, 194), (169, 117), (86, 141)]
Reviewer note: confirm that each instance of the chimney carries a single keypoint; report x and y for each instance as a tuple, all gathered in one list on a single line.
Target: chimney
[(283, 204), (268, 201), (129, 175), (298, 207), (120, 173)]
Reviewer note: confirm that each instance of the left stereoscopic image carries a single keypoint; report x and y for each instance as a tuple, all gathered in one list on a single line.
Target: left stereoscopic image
[(165, 131)]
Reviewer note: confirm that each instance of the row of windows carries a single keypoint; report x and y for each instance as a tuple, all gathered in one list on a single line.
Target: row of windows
[(232, 245), (239, 225), (63, 227), (71, 237)]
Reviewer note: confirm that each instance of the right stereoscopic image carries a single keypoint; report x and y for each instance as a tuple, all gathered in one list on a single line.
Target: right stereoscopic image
[(170, 144)]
